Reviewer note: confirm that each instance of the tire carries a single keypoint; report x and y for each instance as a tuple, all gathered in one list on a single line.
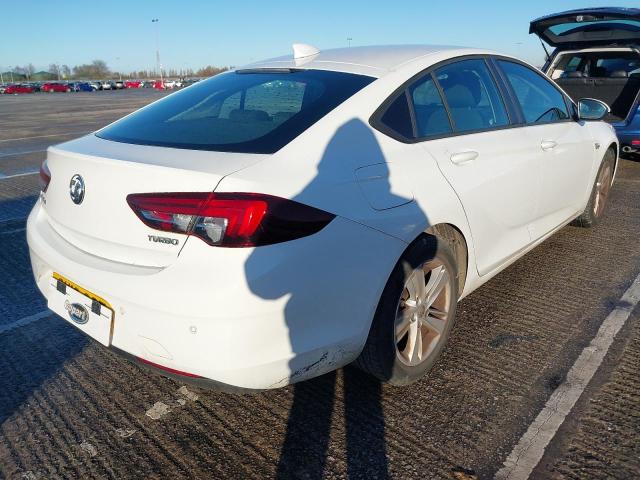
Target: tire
[(599, 193), (391, 355)]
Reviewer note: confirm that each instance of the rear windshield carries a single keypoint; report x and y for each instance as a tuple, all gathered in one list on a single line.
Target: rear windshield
[(250, 112), (602, 25)]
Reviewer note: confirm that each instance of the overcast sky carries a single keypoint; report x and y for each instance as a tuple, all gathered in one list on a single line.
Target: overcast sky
[(197, 33)]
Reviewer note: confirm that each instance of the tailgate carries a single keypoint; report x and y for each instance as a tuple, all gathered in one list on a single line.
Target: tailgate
[(102, 223)]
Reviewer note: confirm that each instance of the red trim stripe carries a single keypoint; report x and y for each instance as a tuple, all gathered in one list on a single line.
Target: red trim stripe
[(167, 369)]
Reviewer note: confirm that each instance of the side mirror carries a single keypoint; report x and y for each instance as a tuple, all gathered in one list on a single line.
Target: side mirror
[(592, 109)]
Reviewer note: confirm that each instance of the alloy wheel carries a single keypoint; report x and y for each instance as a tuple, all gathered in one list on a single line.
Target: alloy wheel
[(422, 313), (603, 186)]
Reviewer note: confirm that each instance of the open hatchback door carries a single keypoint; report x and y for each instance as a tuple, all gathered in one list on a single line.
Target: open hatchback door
[(589, 27)]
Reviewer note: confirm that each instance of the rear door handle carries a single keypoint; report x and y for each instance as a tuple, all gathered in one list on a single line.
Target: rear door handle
[(548, 144), (462, 158)]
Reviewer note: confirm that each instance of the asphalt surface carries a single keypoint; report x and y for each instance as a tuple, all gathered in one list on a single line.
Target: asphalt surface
[(70, 408)]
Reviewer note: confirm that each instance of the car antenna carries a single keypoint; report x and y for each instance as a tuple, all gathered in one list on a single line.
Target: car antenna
[(302, 50)]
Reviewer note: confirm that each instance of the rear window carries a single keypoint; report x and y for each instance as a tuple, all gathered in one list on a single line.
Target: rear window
[(250, 112), (596, 26)]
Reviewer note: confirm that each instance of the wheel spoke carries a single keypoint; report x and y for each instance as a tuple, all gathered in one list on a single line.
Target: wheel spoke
[(415, 343), (416, 285), (437, 282), (434, 323), (438, 313), (403, 322)]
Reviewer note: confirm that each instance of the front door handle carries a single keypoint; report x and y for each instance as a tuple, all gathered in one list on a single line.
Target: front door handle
[(462, 158), (548, 145)]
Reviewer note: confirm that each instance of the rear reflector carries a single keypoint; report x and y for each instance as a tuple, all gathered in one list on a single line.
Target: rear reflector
[(229, 219), (45, 176), (635, 143)]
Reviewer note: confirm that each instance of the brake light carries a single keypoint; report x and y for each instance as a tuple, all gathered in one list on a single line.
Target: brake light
[(229, 219), (45, 176), (635, 143)]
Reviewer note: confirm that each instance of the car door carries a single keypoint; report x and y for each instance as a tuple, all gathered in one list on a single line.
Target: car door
[(493, 168), (565, 147)]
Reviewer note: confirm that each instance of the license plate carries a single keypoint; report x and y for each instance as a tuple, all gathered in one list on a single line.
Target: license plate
[(83, 309)]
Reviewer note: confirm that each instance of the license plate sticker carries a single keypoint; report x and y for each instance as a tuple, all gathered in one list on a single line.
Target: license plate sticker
[(83, 309)]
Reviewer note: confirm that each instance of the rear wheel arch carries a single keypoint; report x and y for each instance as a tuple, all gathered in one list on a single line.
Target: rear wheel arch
[(614, 147), (455, 239)]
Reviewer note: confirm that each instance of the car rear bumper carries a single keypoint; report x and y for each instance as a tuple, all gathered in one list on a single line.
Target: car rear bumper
[(235, 318), (629, 141), (629, 135)]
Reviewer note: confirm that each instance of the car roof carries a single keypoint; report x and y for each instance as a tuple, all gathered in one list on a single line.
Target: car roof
[(374, 61)]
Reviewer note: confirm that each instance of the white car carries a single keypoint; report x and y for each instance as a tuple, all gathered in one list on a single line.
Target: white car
[(276, 222)]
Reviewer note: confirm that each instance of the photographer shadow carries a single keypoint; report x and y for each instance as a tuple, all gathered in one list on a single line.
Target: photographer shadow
[(306, 445)]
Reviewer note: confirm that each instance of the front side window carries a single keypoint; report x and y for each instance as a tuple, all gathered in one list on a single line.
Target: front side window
[(472, 95), (539, 100), (249, 112)]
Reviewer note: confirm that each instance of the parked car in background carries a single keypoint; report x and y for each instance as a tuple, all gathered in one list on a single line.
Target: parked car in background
[(133, 84), (277, 222), (3, 87), (597, 55), (159, 85), (119, 84), (19, 88), (85, 87), (108, 85), (52, 87)]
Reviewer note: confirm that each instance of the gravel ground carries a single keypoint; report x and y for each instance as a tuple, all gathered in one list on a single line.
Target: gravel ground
[(69, 408)]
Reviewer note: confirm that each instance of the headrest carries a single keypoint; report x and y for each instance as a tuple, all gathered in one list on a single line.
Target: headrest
[(460, 96), (470, 81), (249, 115), (619, 74)]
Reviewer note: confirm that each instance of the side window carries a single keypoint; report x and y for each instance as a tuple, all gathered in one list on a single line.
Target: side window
[(398, 118), (472, 95), (540, 101), (431, 115)]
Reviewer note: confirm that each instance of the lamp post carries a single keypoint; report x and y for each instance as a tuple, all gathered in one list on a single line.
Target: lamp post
[(349, 41), (118, 64), (158, 65)]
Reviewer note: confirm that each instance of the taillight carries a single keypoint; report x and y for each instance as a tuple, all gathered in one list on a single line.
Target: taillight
[(229, 219), (45, 176)]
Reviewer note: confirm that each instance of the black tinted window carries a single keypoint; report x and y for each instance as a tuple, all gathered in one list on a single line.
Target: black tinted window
[(540, 101), (431, 116), (253, 112), (398, 118), (472, 95)]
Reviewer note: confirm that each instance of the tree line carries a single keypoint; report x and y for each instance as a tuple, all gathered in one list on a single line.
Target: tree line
[(99, 70)]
